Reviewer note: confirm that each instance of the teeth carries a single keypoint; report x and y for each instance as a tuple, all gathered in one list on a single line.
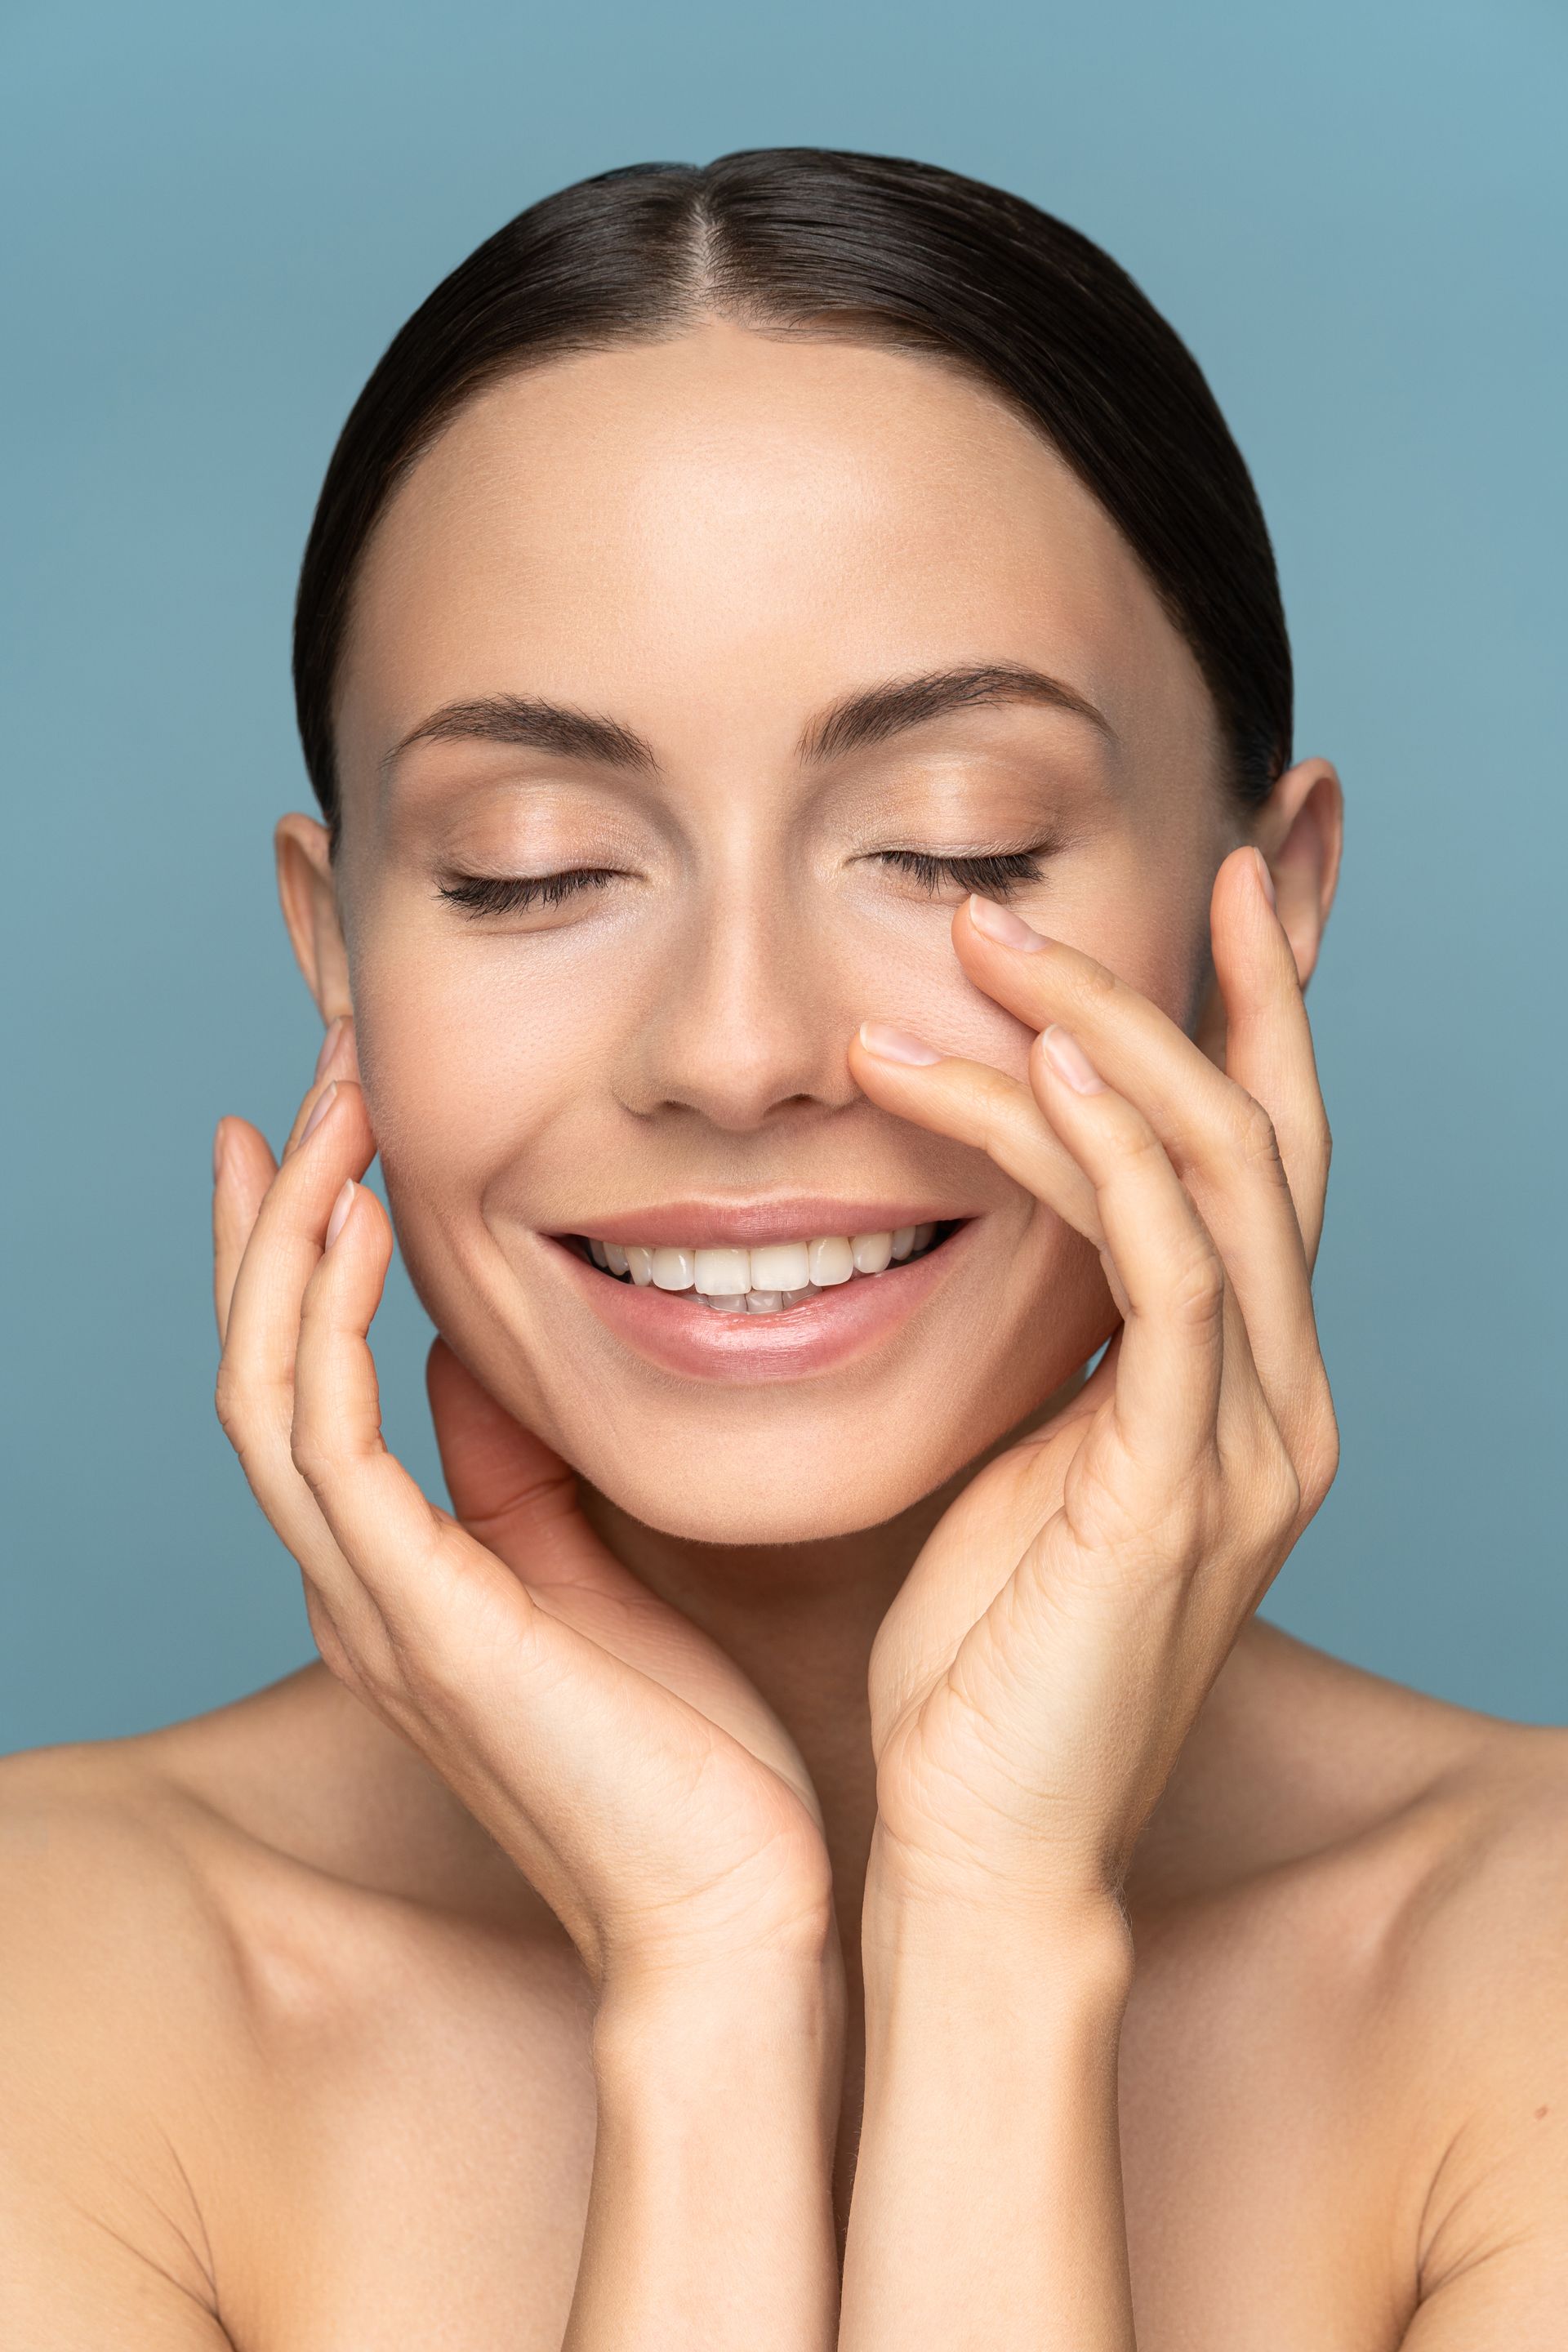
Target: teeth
[(762, 1281), (832, 1262), (722, 1273), (782, 1266)]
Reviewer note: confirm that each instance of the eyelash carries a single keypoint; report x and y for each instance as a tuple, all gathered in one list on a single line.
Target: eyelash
[(993, 873), (479, 894)]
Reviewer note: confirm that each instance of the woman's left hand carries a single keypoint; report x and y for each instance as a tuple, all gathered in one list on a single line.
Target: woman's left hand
[(1036, 1677)]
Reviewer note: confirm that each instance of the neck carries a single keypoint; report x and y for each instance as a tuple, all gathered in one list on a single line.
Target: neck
[(799, 1619)]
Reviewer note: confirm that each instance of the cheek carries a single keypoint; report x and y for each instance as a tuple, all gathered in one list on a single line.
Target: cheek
[(1147, 921), (467, 1061)]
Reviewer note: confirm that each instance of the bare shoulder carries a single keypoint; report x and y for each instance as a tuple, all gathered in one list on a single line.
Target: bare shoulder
[(1441, 1831), (104, 1908), (1376, 1870), (1477, 2027), (1351, 2026), (263, 1981), (115, 1977), (1407, 1879), (1481, 1933)]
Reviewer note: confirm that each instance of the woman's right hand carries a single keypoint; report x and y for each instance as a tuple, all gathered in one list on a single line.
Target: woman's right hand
[(634, 1774)]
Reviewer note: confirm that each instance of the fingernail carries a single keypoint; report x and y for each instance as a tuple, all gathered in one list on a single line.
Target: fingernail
[(340, 1208), (1000, 923), (318, 1113), (217, 1150), (329, 1046), (1069, 1060), (896, 1044), (1265, 877)]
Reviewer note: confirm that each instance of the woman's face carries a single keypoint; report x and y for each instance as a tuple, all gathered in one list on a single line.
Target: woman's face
[(658, 612)]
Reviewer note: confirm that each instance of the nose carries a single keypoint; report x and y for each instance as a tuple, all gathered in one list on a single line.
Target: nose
[(749, 1016)]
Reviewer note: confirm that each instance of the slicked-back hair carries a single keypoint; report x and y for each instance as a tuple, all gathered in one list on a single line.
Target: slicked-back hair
[(870, 248)]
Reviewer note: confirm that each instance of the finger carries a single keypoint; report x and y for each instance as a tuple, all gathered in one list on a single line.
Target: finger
[(1220, 1139), (1268, 1038), (1140, 1050), (256, 1376), (507, 1487), (978, 1106), (284, 1242), (498, 1472), (409, 1556), (337, 1059), (1173, 1355), (334, 1652), (243, 1167)]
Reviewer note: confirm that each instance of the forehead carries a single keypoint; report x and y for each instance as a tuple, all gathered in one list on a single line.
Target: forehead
[(722, 530)]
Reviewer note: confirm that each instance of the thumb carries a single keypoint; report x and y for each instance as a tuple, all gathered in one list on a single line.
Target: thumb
[(507, 1487)]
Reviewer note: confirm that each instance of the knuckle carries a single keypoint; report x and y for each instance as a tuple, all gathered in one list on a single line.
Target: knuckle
[(995, 1112), (307, 1452), (417, 1680), (1254, 1136), (1279, 1488), (1094, 983), (1320, 1454), (1139, 1143), (1198, 1291), (1136, 1146), (226, 1400), (1191, 1523)]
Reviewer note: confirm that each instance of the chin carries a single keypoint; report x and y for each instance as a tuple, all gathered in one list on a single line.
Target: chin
[(783, 1503)]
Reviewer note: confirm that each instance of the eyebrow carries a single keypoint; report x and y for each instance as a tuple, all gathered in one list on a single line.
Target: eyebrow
[(872, 715), (881, 711), (539, 726)]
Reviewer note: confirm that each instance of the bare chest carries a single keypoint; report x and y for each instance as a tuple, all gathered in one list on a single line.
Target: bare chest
[(408, 2160)]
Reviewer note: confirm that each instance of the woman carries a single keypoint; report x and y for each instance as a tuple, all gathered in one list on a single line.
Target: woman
[(812, 909)]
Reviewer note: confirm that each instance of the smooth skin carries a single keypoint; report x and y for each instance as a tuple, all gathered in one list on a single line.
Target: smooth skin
[(841, 1863)]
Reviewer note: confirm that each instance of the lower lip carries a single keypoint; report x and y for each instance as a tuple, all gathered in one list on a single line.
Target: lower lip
[(672, 1331)]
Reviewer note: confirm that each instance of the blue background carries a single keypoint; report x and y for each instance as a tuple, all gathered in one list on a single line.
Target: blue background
[(215, 217)]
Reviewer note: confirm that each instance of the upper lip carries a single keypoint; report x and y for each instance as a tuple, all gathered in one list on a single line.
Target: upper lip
[(752, 1225)]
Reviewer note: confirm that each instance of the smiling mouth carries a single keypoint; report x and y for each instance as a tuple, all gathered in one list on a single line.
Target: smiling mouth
[(769, 1280)]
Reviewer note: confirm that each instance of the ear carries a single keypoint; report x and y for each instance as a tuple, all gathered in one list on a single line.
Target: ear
[(1301, 831), (308, 891)]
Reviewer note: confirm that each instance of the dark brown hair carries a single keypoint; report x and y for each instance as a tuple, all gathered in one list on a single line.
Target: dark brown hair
[(876, 248)]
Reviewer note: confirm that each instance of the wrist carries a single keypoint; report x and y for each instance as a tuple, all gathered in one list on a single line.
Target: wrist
[(674, 2054), (766, 2001), (920, 1925), (717, 2092)]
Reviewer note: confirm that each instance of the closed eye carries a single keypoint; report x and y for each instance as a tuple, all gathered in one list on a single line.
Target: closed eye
[(993, 873), (507, 894)]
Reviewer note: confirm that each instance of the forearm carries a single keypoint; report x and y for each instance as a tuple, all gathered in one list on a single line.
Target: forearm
[(987, 2208), (710, 2219)]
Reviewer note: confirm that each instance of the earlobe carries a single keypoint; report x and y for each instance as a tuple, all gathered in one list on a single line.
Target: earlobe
[(1300, 832), (308, 893)]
